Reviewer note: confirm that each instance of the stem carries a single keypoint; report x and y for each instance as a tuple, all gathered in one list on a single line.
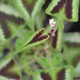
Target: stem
[(52, 67), (51, 63), (60, 40)]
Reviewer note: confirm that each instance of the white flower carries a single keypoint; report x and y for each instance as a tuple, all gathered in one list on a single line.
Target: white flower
[(52, 23)]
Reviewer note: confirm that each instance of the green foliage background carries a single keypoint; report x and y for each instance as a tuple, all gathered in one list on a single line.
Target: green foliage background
[(25, 55)]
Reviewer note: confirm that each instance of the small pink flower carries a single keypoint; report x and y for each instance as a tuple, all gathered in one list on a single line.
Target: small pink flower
[(52, 23)]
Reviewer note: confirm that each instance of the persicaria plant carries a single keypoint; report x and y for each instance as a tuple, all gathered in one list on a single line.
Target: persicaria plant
[(33, 42)]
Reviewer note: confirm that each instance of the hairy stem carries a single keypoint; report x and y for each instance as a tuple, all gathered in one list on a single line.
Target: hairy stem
[(51, 64)]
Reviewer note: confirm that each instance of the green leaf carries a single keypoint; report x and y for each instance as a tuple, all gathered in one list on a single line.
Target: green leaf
[(4, 62), (64, 9), (31, 45), (37, 9), (58, 60), (69, 73), (2, 37), (13, 68), (72, 37), (23, 12), (8, 9), (9, 66), (37, 75), (77, 70), (28, 45), (39, 20)]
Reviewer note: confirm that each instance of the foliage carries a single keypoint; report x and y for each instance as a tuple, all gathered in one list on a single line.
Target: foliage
[(2, 37), (31, 49)]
